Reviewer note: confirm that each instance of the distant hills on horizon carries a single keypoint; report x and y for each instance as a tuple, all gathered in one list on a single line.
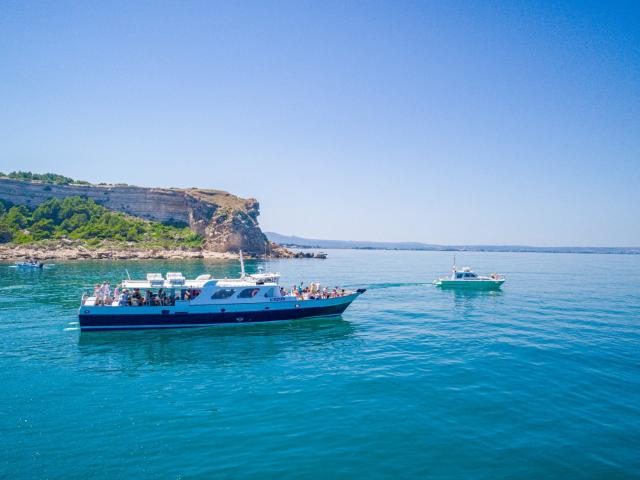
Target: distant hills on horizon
[(295, 241)]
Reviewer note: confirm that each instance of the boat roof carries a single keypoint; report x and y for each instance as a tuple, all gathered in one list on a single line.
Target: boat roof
[(176, 280)]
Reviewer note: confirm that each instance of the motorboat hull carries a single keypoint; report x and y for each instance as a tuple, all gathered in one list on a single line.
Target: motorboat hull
[(185, 316), (470, 284)]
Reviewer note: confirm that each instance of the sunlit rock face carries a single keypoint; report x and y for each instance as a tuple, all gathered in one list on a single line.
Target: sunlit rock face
[(228, 223)]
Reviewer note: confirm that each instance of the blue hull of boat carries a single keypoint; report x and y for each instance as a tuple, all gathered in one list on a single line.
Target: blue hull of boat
[(186, 320)]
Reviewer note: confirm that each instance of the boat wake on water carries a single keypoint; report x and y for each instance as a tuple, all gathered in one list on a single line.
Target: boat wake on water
[(377, 286)]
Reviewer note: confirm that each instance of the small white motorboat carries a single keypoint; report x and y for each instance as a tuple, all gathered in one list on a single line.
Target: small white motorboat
[(29, 264), (466, 278)]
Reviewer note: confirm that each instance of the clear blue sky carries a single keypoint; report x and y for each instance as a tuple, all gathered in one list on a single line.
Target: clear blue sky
[(444, 122)]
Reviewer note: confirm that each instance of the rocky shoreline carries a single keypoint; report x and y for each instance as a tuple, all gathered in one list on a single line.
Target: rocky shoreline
[(71, 252), (40, 253)]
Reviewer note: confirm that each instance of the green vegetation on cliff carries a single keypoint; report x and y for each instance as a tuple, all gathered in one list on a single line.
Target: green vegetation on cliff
[(80, 219), (53, 178)]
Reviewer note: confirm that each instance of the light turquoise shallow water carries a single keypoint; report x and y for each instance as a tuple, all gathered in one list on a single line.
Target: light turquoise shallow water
[(539, 381)]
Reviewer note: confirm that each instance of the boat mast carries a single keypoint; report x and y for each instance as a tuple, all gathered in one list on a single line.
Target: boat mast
[(242, 274), (267, 256)]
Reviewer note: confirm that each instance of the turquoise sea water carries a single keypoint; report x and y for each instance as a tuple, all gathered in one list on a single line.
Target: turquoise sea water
[(541, 380)]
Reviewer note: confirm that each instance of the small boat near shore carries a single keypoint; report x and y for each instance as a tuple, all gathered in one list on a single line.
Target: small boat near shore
[(468, 279), (173, 301), (29, 264)]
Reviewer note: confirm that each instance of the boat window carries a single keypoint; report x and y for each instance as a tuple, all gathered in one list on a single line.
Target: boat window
[(458, 275), (222, 293), (270, 293), (248, 293)]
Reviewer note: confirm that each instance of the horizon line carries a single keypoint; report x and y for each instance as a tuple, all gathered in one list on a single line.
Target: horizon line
[(451, 245)]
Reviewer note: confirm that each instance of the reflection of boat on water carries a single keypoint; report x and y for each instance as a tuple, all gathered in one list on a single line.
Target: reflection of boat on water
[(468, 279), (464, 294), (225, 345), (175, 302)]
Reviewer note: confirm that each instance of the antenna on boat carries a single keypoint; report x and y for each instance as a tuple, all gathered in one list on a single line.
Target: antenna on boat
[(242, 275), (267, 255), (128, 276), (454, 263)]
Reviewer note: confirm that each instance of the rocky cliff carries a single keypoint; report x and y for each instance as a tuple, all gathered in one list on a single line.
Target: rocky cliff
[(228, 223)]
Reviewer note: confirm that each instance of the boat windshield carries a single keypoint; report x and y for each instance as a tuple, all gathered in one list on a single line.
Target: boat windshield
[(462, 275)]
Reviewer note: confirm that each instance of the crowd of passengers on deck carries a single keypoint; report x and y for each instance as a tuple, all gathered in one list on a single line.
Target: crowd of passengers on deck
[(314, 291), (134, 297), (167, 297)]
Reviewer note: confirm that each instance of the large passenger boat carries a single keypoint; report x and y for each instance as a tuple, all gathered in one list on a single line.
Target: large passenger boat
[(173, 301)]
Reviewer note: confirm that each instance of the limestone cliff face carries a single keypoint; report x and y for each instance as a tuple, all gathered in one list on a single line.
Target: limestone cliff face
[(228, 223)]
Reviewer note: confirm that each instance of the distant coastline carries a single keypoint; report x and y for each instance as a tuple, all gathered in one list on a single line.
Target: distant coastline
[(301, 242)]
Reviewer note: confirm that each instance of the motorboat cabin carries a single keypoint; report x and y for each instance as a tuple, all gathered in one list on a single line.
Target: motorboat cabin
[(467, 278)]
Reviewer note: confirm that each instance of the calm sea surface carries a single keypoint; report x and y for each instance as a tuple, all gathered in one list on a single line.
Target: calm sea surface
[(541, 380)]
